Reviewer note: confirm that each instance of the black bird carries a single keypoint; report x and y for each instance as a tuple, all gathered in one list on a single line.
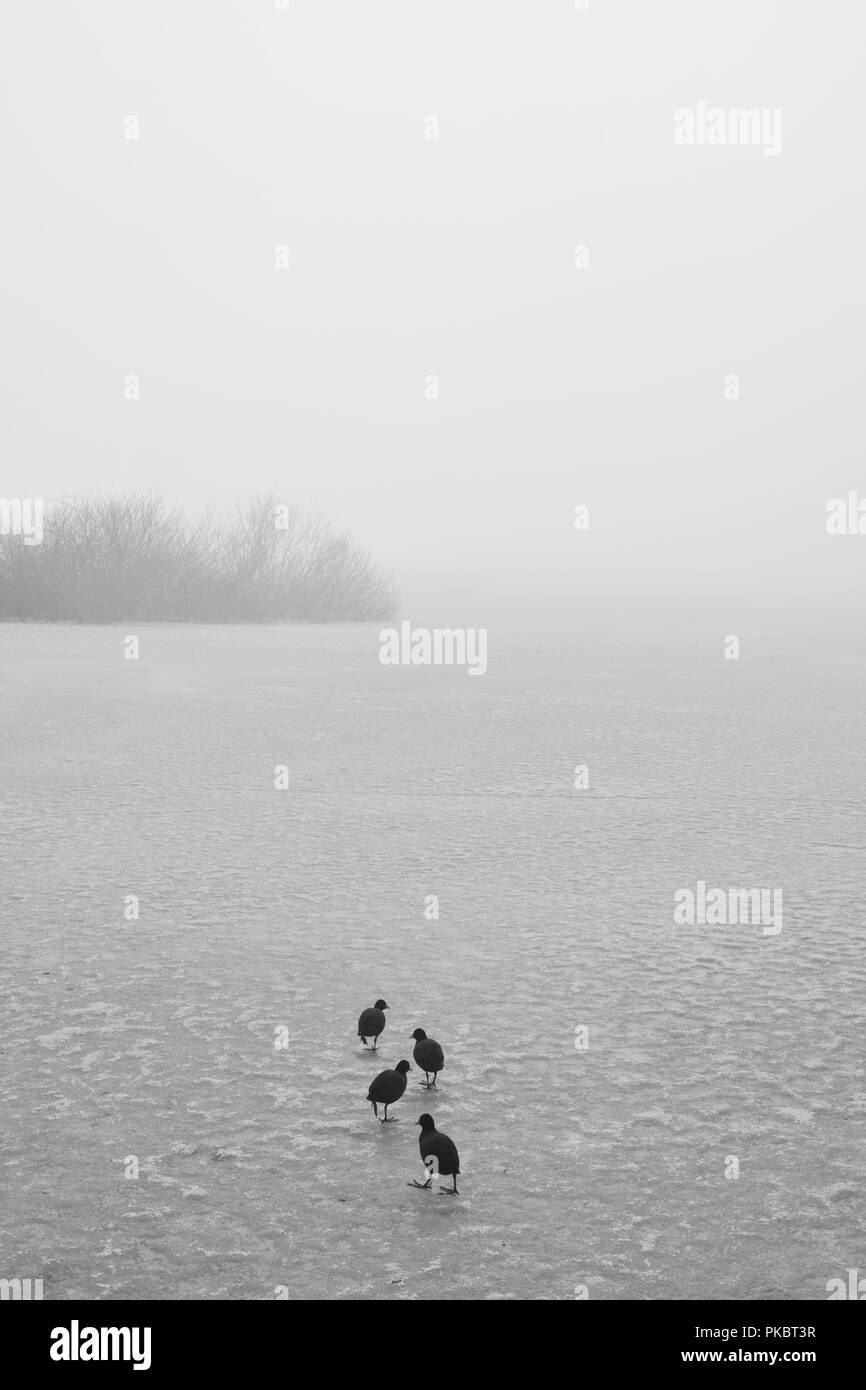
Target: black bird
[(371, 1022), (428, 1055), (437, 1151), (387, 1087)]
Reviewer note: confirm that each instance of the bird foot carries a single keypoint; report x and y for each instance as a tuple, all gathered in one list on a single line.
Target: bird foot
[(389, 1120), (449, 1192), (423, 1185)]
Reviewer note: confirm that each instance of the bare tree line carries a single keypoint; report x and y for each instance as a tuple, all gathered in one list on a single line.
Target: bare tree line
[(106, 559)]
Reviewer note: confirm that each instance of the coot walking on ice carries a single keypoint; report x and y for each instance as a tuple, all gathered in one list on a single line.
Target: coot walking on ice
[(371, 1022), (387, 1087), (428, 1055), (437, 1150)]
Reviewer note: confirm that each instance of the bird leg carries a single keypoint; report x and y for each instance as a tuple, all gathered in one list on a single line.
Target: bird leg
[(389, 1119), (450, 1191), (375, 1109)]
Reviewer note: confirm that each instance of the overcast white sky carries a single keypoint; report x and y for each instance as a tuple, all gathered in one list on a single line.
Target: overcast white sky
[(410, 256)]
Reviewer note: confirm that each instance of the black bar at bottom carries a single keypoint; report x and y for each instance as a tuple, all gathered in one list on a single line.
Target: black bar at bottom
[(165, 1339)]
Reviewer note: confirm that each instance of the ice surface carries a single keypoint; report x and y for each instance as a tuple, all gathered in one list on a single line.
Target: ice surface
[(262, 1168)]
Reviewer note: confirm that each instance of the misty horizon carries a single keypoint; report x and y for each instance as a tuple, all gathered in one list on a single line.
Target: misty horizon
[(562, 380)]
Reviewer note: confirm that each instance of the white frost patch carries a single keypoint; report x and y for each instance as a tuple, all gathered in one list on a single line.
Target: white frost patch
[(803, 1117), (59, 1037)]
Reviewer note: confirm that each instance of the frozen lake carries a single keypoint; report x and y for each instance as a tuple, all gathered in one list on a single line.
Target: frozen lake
[(261, 1168)]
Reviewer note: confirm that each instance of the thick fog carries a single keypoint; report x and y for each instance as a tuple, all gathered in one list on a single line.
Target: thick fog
[(285, 222)]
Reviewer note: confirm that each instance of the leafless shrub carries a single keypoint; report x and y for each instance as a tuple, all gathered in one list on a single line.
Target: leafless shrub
[(107, 559)]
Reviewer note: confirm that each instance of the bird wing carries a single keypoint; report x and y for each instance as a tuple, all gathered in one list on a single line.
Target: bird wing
[(387, 1086), (379, 1086), (429, 1055), (443, 1149)]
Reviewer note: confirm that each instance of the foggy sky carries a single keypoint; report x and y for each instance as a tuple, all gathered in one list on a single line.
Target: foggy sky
[(454, 257)]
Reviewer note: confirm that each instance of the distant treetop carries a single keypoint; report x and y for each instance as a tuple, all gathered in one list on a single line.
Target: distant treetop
[(110, 559)]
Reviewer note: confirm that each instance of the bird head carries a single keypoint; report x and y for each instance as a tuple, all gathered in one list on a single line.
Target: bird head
[(426, 1122), (380, 1004), (419, 1035), (403, 1067)]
